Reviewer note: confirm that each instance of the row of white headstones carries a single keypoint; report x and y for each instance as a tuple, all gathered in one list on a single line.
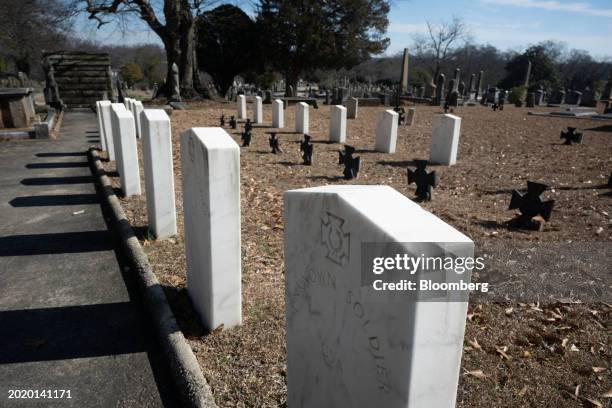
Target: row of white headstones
[(346, 346), (444, 142)]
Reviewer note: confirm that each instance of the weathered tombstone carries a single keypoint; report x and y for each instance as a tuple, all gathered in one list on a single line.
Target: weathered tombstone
[(404, 76), (210, 162), (386, 131), (290, 92), (257, 110), (306, 147), (352, 108), (423, 180), (137, 110), (573, 97), (278, 114), (534, 211), (301, 118), (337, 127), (349, 345), (107, 124), (241, 107), (101, 131), (445, 139), (176, 89), (479, 84), (126, 150), (159, 172), (440, 90), (351, 164), (410, 116), (539, 97), (268, 97)]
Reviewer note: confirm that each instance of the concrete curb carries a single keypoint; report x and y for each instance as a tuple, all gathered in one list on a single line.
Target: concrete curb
[(188, 378)]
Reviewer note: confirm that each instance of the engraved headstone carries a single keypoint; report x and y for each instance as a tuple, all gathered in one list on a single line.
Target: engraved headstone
[(257, 110), (337, 128), (126, 150), (352, 106), (301, 118), (241, 107), (347, 344), (278, 114)]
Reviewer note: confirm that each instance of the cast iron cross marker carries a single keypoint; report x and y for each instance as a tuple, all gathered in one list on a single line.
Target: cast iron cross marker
[(232, 122), (351, 164), (571, 136), (248, 126), (246, 138), (533, 210), (306, 146), (423, 180), (274, 144), (222, 120)]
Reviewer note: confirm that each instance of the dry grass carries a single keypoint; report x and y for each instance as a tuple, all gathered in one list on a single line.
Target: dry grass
[(498, 151)]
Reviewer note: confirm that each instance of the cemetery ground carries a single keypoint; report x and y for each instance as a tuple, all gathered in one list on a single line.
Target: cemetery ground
[(552, 354)]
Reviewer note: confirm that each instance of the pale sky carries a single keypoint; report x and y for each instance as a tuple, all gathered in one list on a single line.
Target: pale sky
[(506, 24)]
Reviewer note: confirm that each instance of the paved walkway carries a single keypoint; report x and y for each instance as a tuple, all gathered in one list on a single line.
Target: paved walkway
[(69, 318)]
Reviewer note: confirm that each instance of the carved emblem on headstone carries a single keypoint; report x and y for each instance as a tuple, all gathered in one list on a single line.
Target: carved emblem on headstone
[(335, 239)]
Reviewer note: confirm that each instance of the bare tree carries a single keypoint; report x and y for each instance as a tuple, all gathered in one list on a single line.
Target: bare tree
[(29, 26), (437, 47), (177, 31)]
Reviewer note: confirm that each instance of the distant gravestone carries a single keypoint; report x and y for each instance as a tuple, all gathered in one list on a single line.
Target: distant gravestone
[(301, 118), (573, 97), (159, 172), (278, 114), (410, 116), (210, 163), (268, 97), (137, 110), (349, 345), (445, 139), (241, 107), (337, 128), (440, 90), (101, 131), (257, 110), (479, 84), (386, 132), (105, 109), (352, 108), (126, 151)]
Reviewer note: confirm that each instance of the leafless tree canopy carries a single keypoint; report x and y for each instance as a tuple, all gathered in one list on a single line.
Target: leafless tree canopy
[(439, 44)]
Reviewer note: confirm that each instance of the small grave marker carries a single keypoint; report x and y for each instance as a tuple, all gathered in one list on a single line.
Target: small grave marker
[(386, 132), (306, 147), (241, 107), (423, 180), (571, 136), (278, 114), (246, 138), (274, 144), (351, 164), (232, 122), (533, 210), (337, 128)]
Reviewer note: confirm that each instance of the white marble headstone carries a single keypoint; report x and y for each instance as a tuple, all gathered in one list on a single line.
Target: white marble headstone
[(278, 114), (337, 127), (301, 118), (257, 110), (126, 150), (101, 125), (386, 131), (241, 107), (347, 345), (105, 109), (159, 172), (210, 161), (352, 106), (445, 139), (137, 109)]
